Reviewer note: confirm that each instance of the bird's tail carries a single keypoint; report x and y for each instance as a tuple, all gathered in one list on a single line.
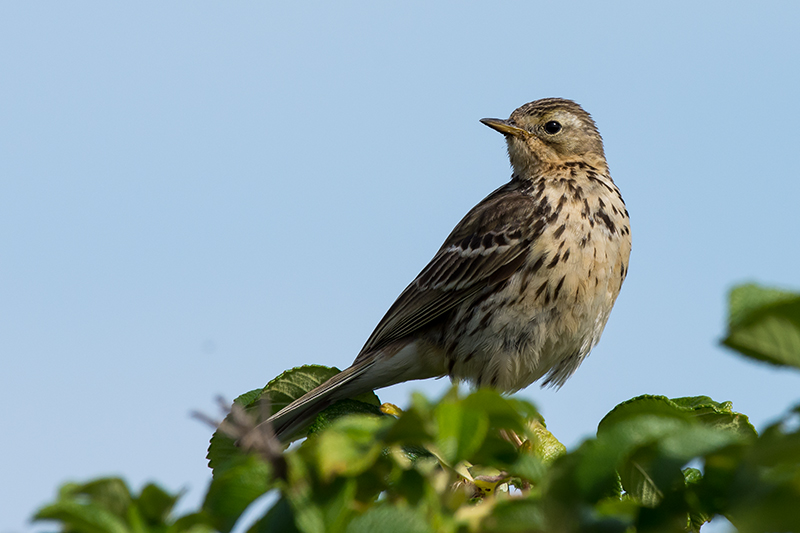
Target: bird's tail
[(300, 413), (389, 365)]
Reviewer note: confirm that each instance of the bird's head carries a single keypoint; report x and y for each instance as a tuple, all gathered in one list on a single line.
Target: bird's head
[(549, 131)]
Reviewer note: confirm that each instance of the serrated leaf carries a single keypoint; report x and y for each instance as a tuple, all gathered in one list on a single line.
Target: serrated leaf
[(651, 437), (221, 448), (719, 415), (702, 409), (281, 391), (764, 324), (294, 383)]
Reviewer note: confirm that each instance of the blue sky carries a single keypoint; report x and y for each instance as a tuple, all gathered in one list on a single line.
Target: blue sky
[(195, 196)]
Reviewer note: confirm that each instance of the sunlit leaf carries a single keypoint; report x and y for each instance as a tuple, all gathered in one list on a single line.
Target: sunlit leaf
[(764, 324)]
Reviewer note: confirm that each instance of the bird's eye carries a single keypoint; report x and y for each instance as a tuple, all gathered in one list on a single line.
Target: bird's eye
[(552, 127)]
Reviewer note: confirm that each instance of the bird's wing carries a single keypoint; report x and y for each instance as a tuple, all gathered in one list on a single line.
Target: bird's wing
[(484, 249)]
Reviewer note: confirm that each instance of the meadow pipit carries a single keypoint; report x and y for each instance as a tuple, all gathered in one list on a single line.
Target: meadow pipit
[(523, 286)]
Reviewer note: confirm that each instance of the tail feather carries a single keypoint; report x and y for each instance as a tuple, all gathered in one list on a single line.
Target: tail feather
[(301, 412)]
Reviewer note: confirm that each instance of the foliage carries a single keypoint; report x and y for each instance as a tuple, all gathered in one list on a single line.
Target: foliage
[(107, 506), (486, 462), (765, 324)]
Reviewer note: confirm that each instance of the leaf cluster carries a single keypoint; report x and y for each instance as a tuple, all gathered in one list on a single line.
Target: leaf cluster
[(484, 462)]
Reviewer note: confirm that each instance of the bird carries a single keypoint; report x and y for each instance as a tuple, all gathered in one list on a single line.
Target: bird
[(523, 286)]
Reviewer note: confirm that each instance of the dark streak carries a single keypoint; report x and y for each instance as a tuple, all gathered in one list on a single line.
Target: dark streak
[(606, 220), (558, 287), (540, 289)]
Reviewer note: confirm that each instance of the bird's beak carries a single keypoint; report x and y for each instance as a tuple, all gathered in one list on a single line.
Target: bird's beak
[(503, 126)]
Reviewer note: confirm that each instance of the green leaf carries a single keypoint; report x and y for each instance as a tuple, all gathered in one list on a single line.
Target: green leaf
[(294, 383), (461, 431), (192, 523), (222, 451), (414, 427), (281, 391), (501, 412), (340, 409), (544, 444), (651, 437), (348, 447), (698, 515), (82, 517), (694, 409), (280, 518), (389, 519), (764, 324), (692, 476), (155, 504), (234, 489), (110, 493), (515, 515)]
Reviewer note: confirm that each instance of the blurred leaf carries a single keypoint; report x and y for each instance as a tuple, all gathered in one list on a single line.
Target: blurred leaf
[(501, 412), (765, 324), (515, 515), (82, 517), (461, 431), (155, 504), (280, 518), (234, 489), (340, 409), (388, 519), (192, 523), (348, 447), (110, 493), (544, 444), (106, 505), (410, 428), (391, 409)]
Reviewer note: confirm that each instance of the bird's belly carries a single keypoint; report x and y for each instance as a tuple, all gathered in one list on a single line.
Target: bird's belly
[(543, 322)]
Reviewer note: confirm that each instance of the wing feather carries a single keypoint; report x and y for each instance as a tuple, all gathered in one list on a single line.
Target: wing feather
[(484, 249)]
